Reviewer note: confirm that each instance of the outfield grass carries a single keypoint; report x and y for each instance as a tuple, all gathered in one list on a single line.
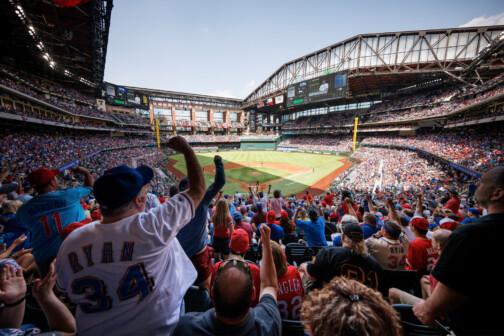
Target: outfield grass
[(254, 174), (318, 167)]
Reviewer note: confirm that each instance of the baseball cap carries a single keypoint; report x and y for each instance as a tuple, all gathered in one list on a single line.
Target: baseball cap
[(420, 223), (406, 206), (96, 215), (271, 217), (284, 215), (474, 211), (239, 241), (237, 216), (353, 231), (448, 224), (121, 184), (41, 176), (259, 206)]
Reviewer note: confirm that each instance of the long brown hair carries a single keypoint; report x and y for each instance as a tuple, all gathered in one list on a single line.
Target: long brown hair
[(279, 259), (220, 218)]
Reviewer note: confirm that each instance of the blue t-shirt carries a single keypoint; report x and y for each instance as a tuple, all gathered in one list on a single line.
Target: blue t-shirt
[(277, 233), (337, 241), (314, 231), (193, 236), (12, 229), (47, 215)]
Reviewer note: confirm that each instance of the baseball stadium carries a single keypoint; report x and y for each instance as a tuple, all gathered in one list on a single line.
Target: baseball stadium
[(364, 173)]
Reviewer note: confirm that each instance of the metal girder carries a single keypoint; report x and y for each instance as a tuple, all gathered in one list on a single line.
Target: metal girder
[(438, 50)]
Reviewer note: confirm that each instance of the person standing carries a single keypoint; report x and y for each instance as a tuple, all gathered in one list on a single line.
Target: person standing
[(47, 214), (126, 269)]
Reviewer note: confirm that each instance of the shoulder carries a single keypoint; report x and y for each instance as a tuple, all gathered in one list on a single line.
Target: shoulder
[(195, 323)]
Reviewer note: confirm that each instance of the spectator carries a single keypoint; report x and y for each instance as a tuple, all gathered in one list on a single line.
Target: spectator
[(258, 217), (223, 228), (26, 195), (193, 236), (277, 203), (427, 282), (285, 223), (277, 232), (347, 307), (389, 246), (314, 229), (135, 254), (454, 203), (232, 291), (239, 245), (458, 292), (239, 224), (55, 209), (290, 287), (10, 228), (351, 260)]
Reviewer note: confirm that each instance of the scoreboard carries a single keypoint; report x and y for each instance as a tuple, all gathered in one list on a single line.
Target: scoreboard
[(327, 87), (118, 95)]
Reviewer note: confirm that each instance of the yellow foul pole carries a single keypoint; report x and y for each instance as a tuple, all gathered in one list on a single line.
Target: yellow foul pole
[(157, 132), (355, 133)]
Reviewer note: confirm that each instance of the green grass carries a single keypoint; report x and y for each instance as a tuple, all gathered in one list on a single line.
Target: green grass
[(264, 174), (323, 165)]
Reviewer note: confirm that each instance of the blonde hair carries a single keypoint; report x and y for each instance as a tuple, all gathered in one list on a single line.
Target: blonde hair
[(11, 206), (347, 307), (279, 259), (220, 218)]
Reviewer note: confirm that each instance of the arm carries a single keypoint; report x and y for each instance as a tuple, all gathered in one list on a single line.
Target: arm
[(372, 209), (88, 179), (218, 183), (197, 185), (12, 290), (3, 173), (351, 210), (443, 300), (268, 271), (392, 212), (58, 316), (418, 209), (321, 213), (19, 240)]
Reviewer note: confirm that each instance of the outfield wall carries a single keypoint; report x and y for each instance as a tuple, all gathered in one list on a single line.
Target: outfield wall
[(295, 149)]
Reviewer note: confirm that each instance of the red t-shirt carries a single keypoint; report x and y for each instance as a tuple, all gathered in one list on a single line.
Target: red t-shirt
[(329, 199), (307, 197), (290, 294), (421, 255), (256, 275), (223, 232)]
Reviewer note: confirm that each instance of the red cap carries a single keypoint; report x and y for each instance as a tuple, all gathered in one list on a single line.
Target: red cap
[(67, 230), (406, 206), (85, 206), (284, 215), (449, 225), (271, 217), (96, 215), (421, 223), (41, 176), (239, 241)]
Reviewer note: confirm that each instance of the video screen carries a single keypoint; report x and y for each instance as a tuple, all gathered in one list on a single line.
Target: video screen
[(332, 86)]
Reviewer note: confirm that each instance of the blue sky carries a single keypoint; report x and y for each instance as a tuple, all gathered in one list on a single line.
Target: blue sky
[(229, 47)]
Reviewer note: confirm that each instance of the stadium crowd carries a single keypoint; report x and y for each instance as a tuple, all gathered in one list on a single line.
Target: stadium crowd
[(325, 143), (235, 251)]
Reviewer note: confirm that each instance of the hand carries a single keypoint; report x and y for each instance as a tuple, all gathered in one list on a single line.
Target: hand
[(21, 253), (19, 240), (43, 288), (178, 144), (347, 200), (423, 315), (80, 170), (265, 234), (12, 284), (218, 158)]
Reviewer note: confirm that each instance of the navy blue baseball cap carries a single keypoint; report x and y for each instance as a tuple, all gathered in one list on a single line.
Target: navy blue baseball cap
[(121, 184)]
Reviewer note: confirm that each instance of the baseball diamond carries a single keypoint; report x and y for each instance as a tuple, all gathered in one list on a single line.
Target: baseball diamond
[(293, 173)]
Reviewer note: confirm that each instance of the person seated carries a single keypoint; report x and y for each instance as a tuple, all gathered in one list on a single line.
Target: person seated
[(290, 291), (347, 307), (277, 233), (233, 291), (239, 245)]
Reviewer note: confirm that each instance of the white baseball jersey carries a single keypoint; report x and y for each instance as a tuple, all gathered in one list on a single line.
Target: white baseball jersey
[(390, 254), (128, 277)]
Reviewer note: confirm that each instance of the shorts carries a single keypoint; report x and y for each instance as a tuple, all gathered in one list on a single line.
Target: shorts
[(203, 263), (221, 245)]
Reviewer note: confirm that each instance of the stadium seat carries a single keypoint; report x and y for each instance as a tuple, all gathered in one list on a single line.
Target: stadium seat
[(297, 254), (196, 299), (408, 281), (413, 327), (254, 253), (289, 238), (292, 328)]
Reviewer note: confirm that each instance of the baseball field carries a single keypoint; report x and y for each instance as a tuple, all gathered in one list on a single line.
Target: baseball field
[(292, 173)]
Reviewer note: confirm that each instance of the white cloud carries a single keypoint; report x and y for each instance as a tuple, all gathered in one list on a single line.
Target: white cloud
[(222, 93), (486, 21), (251, 83)]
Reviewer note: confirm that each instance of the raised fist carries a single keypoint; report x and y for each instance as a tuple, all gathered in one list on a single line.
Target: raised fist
[(178, 144)]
